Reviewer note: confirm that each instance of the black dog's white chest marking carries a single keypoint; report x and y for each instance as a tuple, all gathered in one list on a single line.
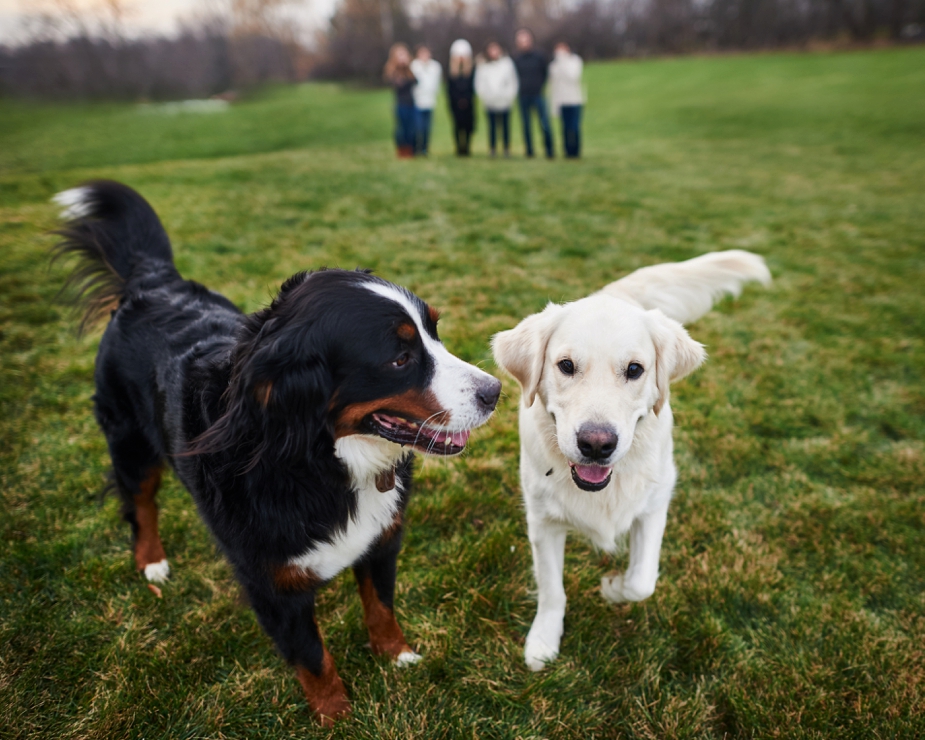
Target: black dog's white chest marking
[(371, 462)]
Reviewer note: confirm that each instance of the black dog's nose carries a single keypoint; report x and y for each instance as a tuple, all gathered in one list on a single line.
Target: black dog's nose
[(488, 393), (596, 442)]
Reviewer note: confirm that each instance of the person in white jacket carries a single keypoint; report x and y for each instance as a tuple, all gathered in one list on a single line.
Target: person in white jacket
[(566, 96), (429, 74), (496, 85)]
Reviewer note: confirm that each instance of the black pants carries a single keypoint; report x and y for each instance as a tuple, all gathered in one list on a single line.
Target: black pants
[(571, 129), (503, 119), (463, 125)]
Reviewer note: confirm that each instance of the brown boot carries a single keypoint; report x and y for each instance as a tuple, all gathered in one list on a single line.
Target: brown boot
[(405, 152)]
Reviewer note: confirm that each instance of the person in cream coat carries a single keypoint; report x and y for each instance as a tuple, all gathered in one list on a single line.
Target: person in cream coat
[(496, 85), (429, 74), (566, 95)]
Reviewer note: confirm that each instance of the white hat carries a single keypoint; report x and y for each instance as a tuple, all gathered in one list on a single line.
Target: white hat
[(461, 48)]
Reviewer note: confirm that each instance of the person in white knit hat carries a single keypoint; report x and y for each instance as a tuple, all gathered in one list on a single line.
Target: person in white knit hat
[(428, 73), (460, 88), (496, 84)]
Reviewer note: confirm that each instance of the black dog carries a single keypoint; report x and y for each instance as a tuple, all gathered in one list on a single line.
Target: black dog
[(291, 427)]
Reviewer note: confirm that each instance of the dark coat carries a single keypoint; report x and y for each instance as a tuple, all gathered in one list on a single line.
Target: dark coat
[(404, 89), (461, 94), (532, 70)]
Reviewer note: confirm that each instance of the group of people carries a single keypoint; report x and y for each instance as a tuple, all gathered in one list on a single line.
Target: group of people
[(498, 80)]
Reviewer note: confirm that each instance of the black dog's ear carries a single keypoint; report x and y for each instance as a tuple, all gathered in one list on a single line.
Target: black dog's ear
[(276, 403), (290, 408)]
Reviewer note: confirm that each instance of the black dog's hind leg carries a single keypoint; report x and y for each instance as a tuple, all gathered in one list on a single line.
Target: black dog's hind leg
[(375, 576), (137, 469), (141, 514)]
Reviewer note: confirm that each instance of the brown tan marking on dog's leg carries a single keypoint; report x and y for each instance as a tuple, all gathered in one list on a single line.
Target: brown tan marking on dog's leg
[(325, 691), (385, 636), (148, 547)]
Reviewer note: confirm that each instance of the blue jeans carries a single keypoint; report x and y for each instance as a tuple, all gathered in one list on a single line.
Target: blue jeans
[(405, 129), (571, 129), (422, 124), (503, 119), (535, 101)]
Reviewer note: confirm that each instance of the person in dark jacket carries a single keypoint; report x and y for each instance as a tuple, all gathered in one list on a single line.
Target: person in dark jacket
[(460, 85), (398, 74), (532, 69)]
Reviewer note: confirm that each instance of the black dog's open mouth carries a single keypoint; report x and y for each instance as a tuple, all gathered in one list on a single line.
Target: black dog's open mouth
[(591, 477), (423, 438)]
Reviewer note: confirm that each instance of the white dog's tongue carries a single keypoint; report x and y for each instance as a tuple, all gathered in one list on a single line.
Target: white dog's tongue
[(592, 473)]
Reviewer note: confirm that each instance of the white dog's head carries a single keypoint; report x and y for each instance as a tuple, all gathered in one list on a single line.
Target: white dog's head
[(599, 366)]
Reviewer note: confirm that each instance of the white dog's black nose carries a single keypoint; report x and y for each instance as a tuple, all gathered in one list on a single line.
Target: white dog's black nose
[(597, 442), (488, 394)]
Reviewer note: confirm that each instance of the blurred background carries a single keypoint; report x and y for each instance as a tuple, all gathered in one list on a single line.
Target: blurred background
[(133, 49), (792, 597)]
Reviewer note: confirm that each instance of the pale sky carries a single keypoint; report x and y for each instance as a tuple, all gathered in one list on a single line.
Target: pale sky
[(145, 16)]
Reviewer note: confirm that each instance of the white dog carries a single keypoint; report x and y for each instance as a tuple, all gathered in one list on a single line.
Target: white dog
[(595, 423)]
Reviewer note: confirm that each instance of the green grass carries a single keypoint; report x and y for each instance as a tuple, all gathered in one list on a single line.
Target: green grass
[(792, 596)]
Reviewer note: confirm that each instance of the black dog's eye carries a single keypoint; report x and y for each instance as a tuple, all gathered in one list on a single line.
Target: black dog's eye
[(634, 370), (567, 367), (401, 360)]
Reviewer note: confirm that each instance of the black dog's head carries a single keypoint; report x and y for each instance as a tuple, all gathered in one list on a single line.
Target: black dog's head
[(341, 353)]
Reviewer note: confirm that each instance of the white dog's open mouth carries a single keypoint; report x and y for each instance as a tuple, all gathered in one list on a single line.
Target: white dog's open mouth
[(590, 477)]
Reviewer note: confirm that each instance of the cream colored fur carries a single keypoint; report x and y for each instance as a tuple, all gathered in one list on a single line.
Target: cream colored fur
[(635, 320)]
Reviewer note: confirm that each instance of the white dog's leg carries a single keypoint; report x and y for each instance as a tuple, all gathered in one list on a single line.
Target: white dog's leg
[(638, 582), (548, 544)]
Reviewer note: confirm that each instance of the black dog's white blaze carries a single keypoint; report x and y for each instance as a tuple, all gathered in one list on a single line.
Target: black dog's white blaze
[(455, 383)]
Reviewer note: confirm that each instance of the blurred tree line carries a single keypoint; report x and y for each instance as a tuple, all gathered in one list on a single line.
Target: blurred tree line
[(233, 44), (71, 50), (362, 30)]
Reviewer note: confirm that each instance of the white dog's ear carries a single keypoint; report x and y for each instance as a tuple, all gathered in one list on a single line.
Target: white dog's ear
[(676, 354), (521, 351)]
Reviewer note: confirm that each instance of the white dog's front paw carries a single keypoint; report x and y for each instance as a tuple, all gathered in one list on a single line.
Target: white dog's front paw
[(616, 590), (542, 645), (157, 572), (537, 653), (406, 658), (612, 588)]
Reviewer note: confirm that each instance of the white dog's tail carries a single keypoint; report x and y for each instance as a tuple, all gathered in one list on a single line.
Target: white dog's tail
[(685, 291)]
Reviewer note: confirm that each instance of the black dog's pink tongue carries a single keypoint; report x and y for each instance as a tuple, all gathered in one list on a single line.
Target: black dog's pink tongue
[(592, 473), (459, 439)]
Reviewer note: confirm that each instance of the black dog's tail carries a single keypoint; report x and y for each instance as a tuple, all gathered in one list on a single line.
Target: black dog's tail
[(112, 230)]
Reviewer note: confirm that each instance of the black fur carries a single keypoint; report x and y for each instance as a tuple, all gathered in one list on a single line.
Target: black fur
[(242, 407)]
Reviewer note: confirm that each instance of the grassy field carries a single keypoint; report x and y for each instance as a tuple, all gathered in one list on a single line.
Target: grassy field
[(792, 596)]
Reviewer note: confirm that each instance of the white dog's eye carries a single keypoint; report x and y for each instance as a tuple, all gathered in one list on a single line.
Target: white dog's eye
[(567, 367), (634, 370)]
